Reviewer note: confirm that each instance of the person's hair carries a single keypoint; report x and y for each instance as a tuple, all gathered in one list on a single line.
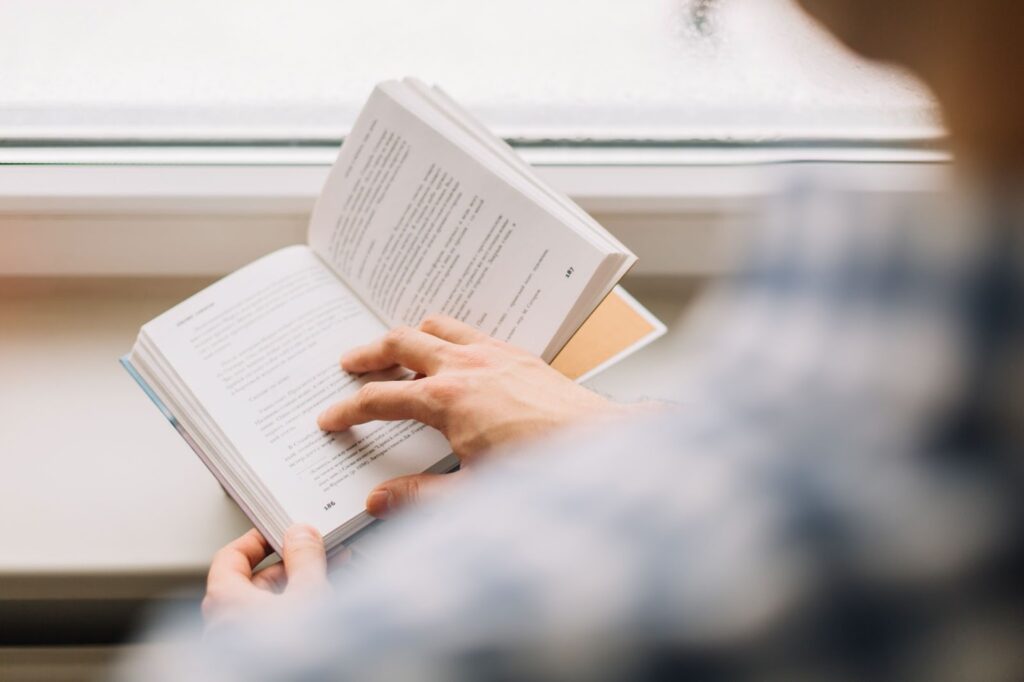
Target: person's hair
[(970, 53)]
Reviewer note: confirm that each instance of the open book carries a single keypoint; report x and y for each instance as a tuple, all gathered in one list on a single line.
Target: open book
[(423, 212)]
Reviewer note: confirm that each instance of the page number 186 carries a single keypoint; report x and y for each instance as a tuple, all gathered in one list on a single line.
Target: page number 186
[(568, 273)]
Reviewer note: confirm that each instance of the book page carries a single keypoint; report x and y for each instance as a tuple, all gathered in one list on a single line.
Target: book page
[(259, 350), (416, 225)]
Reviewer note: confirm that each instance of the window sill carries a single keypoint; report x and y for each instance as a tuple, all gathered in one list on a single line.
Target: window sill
[(680, 210)]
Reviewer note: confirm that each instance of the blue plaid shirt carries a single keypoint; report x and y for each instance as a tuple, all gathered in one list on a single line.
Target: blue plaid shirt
[(837, 494)]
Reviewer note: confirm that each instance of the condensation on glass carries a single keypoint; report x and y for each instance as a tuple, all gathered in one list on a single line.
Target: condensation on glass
[(573, 70)]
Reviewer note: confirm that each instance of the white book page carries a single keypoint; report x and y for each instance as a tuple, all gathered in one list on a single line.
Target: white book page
[(416, 225), (259, 350), (439, 98)]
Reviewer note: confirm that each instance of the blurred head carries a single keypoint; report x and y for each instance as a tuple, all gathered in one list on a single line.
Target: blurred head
[(971, 52)]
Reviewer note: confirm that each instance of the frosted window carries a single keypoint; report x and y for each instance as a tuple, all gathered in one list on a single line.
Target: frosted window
[(269, 70)]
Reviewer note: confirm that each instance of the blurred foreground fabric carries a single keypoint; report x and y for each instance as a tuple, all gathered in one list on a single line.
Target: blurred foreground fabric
[(836, 495)]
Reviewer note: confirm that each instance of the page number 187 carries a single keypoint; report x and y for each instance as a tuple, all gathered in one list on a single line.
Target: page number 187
[(568, 273)]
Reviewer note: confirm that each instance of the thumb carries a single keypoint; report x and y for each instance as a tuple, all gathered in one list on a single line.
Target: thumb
[(392, 496), (305, 561)]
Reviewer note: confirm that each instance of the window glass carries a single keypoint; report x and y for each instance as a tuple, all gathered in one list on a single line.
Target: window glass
[(752, 71)]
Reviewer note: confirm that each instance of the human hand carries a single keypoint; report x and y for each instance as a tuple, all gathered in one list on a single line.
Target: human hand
[(234, 592), (478, 391)]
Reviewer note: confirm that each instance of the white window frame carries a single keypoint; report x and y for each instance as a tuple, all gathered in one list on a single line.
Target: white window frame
[(189, 211)]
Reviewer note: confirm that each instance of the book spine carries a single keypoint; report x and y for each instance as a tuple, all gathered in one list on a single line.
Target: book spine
[(162, 406), (144, 385)]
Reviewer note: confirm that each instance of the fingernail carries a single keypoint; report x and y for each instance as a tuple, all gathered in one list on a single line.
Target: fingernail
[(300, 533), (379, 501)]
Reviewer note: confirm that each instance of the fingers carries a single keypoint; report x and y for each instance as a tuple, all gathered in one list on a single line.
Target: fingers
[(410, 348), (235, 561), (275, 578), (386, 400), (305, 561), (272, 578), (450, 329), (420, 350), (392, 496)]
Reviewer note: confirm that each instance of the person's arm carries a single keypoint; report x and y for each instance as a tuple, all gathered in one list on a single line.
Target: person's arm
[(479, 392), (561, 558)]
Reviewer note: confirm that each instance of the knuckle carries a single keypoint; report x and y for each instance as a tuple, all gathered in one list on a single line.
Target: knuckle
[(367, 396), (396, 337), (460, 444), (412, 490), (473, 356), (220, 556), (432, 323), (443, 391), (301, 546)]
